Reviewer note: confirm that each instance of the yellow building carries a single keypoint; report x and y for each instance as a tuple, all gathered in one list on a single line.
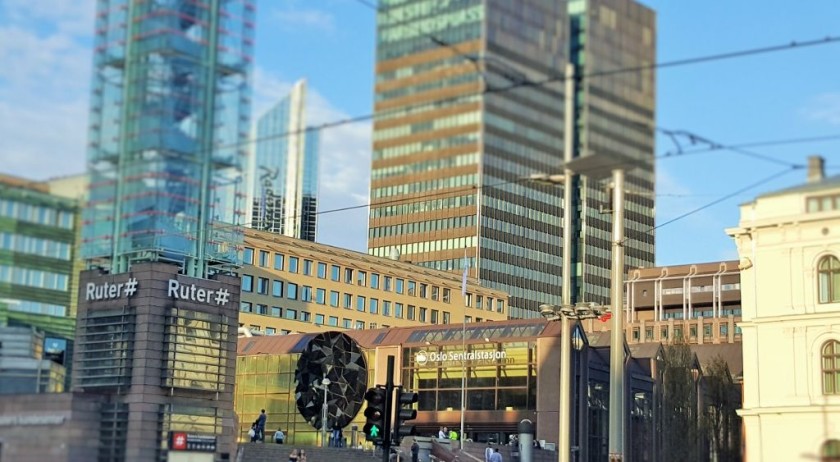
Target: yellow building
[(292, 285)]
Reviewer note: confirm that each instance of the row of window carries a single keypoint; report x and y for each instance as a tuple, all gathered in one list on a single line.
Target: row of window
[(33, 278), (696, 289), (424, 186), (424, 166), (822, 203), (34, 246), (436, 144), (29, 306), (422, 226), (336, 273), (426, 246), (373, 306), (677, 332), (423, 206), (36, 214)]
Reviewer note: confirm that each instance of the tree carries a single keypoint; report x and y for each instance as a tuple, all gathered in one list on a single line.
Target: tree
[(721, 424), (679, 405)]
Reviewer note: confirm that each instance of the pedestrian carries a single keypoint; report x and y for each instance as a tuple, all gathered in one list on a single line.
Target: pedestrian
[(496, 457), (253, 432), (488, 452), (301, 456), (415, 451), (279, 436), (442, 433), (294, 457), (261, 425), (453, 435)]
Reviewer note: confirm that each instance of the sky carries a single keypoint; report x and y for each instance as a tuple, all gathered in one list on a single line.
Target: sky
[(46, 56)]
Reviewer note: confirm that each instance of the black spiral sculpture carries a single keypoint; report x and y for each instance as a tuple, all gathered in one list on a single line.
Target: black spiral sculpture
[(337, 357)]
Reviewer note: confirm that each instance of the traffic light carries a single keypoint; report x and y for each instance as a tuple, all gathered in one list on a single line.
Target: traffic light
[(375, 413), (405, 412)]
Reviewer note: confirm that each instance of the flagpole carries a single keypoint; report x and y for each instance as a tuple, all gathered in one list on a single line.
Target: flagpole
[(464, 347)]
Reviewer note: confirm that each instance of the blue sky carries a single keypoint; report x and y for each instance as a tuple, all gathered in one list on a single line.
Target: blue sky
[(44, 84)]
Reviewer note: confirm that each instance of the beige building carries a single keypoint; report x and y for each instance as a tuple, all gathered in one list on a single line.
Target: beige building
[(789, 247), (291, 285), (697, 303)]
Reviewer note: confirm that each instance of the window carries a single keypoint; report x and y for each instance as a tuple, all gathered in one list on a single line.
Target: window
[(248, 256), (412, 288), (348, 301), (245, 306), (400, 286), (479, 302), (374, 306), (278, 261), (293, 264), (333, 298), (261, 309), (322, 270), (374, 280), (346, 323), (446, 295), (307, 267), (247, 283), (291, 291), (424, 290), (447, 318), (277, 288), (434, 316), (500, 306), (411, 310), (270, 331), (276, 311), (828, 274), (320, 296), (262, 286), (360, 325), (831, 367), (387, 284), (335, 273), (290, 314), (319, 319), (306, 294), (422, 314), (398, 310), (305, 316), (334, 321), (361, 278), (264, 258), (435, 293), (348, 275), (386, 308), (360, 303)]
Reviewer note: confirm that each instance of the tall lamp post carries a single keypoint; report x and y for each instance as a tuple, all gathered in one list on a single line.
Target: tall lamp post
[(564, 313), (325, 384)]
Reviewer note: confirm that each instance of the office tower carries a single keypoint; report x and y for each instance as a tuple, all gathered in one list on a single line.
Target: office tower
[(470, 101), (285, 174), (162, 229)]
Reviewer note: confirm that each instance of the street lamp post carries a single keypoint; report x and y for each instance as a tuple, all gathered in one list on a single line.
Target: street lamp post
[(325, 383), (564, 314)]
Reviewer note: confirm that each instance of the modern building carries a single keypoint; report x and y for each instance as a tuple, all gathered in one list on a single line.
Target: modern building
[(470, 102), (285, 169), (696, 303), (25, 367), (292, 285), (789, 252), (161, 231), (39, 230), (509, 368)]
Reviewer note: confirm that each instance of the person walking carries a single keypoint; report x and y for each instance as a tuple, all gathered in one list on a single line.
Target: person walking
[(442, 433), (253, 433), (453, 435), (261, 426), (488, 452), (496, 457), (415, 451)]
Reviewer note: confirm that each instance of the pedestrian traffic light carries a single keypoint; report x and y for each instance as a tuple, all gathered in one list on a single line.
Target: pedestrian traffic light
[(375, 413), (405, 412)]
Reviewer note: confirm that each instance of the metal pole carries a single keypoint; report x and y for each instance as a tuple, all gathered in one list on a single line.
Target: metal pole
[(617, 408), (564, 437), (389, 398), (324, 384), (463, 376)]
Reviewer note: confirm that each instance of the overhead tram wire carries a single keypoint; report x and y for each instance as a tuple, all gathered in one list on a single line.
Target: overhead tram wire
[(694, 139), (753, 144), (530, 83)]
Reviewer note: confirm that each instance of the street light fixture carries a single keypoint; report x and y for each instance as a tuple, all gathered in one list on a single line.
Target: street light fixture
[(325, 383), (564, 313)]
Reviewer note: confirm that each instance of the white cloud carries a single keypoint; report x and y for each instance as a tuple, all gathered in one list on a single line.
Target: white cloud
[(294, 18), (825, 108), (74, 17)]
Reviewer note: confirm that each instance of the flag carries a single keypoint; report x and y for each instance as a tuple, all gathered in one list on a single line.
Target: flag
[(464, 277)]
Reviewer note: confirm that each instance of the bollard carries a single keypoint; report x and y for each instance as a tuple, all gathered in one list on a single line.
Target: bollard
[(526, 440)]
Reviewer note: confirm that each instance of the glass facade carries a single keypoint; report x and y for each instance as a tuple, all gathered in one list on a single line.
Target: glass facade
[(452, 141), (168, 124), (285, 179)]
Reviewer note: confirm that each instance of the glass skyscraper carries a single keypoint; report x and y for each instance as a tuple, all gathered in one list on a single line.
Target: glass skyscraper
[(169, 122), (285, 174), (470, 101)]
